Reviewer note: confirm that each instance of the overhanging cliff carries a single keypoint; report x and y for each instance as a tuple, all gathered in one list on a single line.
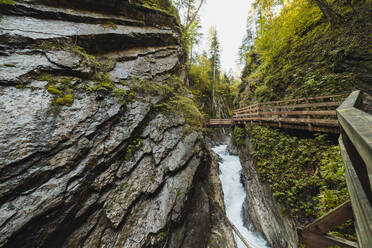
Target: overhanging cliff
[(88, 155)]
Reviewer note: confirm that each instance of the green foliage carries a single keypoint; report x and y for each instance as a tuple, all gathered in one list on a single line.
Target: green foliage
[(134, 146), (177, 100), (67, 100), (297, 53), (306, 175), (161, 5), (59, 86), (9, 65), (7, 2), (54, 90), (239, 136), (181, 105), (201, 85), (109, 25)]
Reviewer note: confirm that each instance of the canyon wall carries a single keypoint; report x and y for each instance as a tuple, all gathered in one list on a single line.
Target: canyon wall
[(87, 156)]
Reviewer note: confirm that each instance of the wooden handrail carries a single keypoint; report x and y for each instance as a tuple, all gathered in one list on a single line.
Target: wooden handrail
[(295, 100), (356, 150), (293, 113)]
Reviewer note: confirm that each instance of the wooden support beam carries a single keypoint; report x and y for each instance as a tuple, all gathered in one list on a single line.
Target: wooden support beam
[(318, 122), (331, 220), (313, 240), (341, 95), (361, 206), (301, 127), (305, 112)]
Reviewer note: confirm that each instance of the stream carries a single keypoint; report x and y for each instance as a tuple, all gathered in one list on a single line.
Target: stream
[(234, 195)]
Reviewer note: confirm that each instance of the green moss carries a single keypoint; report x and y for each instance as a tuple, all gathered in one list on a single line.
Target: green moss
[(51, 79), (7, 2), (186, 107), (175, 99), (87, 59), (9, 65), (54, 90), (68, 99), (109, 25), (60, 101), (306, 175), (300, 55), (134, 146), (160, 5), (239, 136)]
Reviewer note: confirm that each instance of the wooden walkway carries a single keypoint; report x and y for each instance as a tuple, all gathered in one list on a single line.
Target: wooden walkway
[(353, 121), (315, 114)]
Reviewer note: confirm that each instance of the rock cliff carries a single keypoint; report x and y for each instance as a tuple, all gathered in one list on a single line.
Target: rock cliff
[(87, 156), (260, 207)]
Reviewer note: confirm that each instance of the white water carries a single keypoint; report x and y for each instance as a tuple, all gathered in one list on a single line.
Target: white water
[(234, 195)]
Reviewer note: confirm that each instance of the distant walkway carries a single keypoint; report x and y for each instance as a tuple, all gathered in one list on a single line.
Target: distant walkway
[(353, 119), (314, 114)]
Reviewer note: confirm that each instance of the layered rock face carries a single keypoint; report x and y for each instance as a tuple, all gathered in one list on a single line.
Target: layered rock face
[(86, 158), (260, 207)]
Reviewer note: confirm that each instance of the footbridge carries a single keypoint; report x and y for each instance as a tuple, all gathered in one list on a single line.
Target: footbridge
[(316, 114), (347, 114)]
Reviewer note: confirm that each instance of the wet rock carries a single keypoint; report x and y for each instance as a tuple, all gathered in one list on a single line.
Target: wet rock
[(260, 208), (64, 58), (231, 148), (106, 169)]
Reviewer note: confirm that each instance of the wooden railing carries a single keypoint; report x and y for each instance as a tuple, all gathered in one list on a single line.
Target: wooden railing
[(312, 114), (356, 150), (314, 235), (355, 124), (220, 122)]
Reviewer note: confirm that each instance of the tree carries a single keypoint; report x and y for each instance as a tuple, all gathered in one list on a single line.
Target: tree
[(214, 57), (190, 23), (247, 41), (323, 5), (327, 11)]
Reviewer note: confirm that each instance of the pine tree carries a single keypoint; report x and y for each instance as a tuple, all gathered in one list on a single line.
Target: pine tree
[(214, 57)]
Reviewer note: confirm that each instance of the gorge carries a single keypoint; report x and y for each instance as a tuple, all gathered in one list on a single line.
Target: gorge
[(103, 136)]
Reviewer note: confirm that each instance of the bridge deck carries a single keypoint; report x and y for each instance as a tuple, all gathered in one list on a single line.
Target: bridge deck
[(315, 114)]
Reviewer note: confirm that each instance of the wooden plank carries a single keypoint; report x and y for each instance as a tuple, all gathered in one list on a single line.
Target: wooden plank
[(361, 206), (305, 105), (299, 127), (321, 112), (294, 120), (309, 99), (353, 100), (296, 100), (331, 220), (358, 127), (313, 240), (246, 110)]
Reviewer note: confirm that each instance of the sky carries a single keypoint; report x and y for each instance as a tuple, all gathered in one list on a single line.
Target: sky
[(229, 18)]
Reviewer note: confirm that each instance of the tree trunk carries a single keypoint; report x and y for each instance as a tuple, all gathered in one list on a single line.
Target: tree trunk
[(331, 16)]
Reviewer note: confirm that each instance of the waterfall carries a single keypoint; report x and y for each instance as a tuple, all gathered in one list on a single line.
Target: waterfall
[(234, 195)]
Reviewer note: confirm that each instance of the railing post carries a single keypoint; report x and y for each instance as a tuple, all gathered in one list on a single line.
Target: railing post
[(279, 115), (258, 112), (310, 126)]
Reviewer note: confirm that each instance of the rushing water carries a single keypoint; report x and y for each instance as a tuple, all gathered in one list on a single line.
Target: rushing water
[(234, 194)]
